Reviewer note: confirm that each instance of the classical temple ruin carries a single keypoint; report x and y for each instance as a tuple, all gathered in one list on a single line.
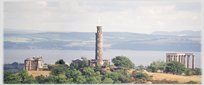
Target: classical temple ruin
[(181, 57), (35, 64)]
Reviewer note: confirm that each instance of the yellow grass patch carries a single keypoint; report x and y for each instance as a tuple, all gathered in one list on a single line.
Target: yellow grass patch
[(38, 73), (172, 77)]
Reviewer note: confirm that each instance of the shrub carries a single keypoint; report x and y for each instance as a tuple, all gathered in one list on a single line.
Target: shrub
[(164, 81), (191, 82)]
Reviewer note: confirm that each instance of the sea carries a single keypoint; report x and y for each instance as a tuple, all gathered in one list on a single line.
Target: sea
[(144, 58)]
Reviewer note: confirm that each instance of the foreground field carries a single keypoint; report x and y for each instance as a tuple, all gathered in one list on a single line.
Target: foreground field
[(179, 78), (38, 73)]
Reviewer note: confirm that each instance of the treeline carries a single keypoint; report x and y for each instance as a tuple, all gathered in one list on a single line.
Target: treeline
[(14, 67), (173, 67), (84, 74), (81, 74)]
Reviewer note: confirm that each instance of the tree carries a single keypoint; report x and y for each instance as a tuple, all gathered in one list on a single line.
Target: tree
[(122, 76), (117, 82), (107, 81), (81, 80), (23, 74), (188, 72), (29, 80), (156, 65), (73, 74), (14, 63), (83, 63), (59, 69), (114, 76), (93, 80), (61, 61), (105, 64), (51, 79), (141, 67), (175, 67), (88, 72), (11, 78), (91, 76), (140, 75), (40, 79), (198, 72), (50, 66), (62, 79), (123, 61)]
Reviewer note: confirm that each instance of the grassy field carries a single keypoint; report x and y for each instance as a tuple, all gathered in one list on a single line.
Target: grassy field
[(38, 73), (172, 77)]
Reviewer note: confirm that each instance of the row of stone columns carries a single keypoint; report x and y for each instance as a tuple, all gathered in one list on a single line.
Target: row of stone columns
[(181, 58)]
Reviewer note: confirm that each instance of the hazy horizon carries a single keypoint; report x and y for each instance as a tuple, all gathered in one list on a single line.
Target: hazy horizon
[(38, 31)]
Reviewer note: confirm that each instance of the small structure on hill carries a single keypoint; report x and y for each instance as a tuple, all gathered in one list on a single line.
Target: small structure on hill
[(75, 62), (35, 64)]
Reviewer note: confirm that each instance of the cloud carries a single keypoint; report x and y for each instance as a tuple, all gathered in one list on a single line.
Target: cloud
[(123, 16)]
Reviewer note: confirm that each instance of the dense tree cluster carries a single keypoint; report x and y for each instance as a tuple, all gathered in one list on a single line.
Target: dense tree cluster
[(156, 65), (123, 61), (175, 67)]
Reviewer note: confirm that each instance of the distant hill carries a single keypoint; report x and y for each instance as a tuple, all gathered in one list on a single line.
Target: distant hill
[(180, 33), (169, 41)]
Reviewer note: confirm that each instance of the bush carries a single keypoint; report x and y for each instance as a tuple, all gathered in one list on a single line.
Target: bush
[(175, 67), (198, 72), (191, 82), (188, 72)]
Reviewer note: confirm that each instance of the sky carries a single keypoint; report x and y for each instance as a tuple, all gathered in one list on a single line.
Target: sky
[(115, 16)]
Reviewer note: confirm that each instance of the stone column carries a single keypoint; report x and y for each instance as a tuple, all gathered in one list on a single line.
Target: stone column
[(24, 67), (172, 57), (30, 65), (193, 62), (99, 46), (188, 63), (177, 58), (167, 59), (180, 58), (184, 60)]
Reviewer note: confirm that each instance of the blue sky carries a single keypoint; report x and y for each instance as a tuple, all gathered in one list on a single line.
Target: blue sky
[(115, 16)]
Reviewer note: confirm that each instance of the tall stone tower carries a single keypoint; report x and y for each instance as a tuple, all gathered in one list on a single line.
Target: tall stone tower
[(99, 46)]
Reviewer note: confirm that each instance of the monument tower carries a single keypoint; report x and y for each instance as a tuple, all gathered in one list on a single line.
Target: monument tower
[(99, 45)]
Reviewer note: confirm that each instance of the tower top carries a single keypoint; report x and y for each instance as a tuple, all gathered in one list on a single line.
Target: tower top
[(99, 22)]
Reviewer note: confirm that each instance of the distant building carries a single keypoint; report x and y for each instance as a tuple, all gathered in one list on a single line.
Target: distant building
[(35, 64), (75, 62)]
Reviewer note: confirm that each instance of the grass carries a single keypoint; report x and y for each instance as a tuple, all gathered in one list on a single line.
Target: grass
[(172, 77), (38, 73)]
